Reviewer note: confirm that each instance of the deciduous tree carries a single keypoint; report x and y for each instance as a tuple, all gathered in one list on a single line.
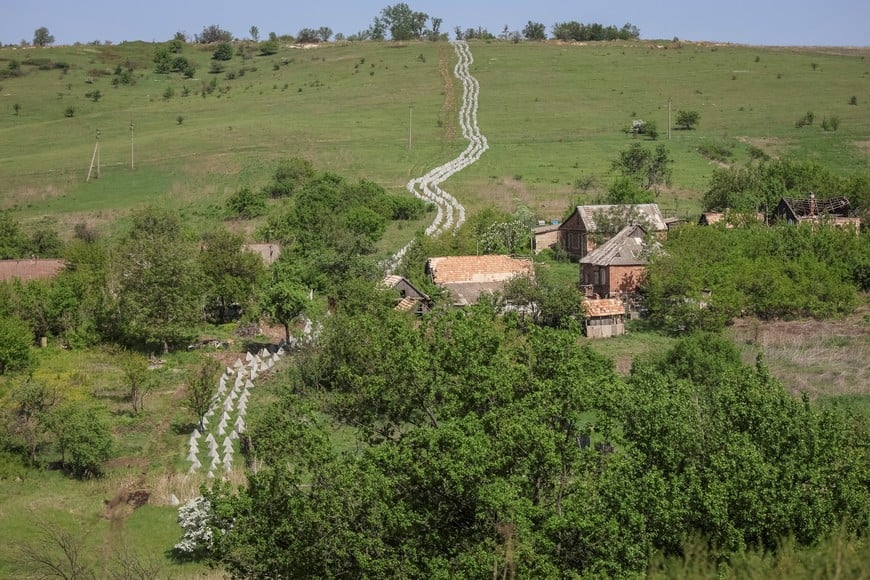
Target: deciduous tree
[(41, 37)]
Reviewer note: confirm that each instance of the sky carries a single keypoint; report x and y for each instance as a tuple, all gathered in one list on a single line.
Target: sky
[(759, 22)]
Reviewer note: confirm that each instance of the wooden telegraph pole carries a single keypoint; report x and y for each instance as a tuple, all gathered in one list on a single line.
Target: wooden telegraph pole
[(669, 118), (410, 120), (95, 157), (132, 151)]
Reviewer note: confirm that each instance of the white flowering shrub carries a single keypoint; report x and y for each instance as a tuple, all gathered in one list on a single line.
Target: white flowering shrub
[(194, 517)]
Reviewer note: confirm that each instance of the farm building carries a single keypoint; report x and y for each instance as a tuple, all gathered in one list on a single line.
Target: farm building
[(616, 267), (408, 296), (603, 317), (835, 211), (591, 225), (545, 236), (467, 277), (32, 269)]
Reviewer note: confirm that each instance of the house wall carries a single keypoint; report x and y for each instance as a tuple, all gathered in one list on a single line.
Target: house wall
[(573, 238), (604, 327), (607, 281), (546, 240)]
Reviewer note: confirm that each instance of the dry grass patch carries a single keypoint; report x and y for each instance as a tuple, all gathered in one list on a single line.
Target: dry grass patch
[(822, 358)]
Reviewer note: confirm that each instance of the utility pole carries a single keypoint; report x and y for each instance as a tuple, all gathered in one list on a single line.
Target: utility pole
[(95, 157), (410, 121), (132, 151), (669, 118)]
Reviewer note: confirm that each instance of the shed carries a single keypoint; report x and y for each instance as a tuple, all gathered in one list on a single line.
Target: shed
[(603, 317), (545, 236), (409, 297), (835, 211)]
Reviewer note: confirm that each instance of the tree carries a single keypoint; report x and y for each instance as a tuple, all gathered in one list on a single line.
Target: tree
[(57, 553), (41, 37), (231, 274), (284, 297), (404, 23), (255, 33), (646, 168), (45, 241), (324, 33), (155, 282), (213, 33), (534, 31), (15, 342), (139, 384), (83, 437), (308, 36), (687, 120), (224, 51), (199, 389), (12, 241)]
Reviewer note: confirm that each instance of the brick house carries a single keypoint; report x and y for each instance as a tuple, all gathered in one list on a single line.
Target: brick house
[(591, 225), (617, 267)]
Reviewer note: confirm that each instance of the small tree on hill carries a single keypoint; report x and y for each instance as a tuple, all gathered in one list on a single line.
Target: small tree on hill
[(41, 37), (199, 387), (646, 168), (213, 33), (687, 120), (255, 34), (224, 51), (534, 31)]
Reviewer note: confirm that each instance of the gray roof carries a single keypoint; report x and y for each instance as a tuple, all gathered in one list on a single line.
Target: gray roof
[(649, 212), (627, 248)]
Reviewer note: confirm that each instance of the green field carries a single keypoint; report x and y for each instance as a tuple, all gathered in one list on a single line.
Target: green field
[(552, 113)]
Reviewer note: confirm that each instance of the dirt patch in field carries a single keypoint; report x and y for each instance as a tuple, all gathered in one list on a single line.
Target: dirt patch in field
[(864, 148), (770, 145), (818, 357)]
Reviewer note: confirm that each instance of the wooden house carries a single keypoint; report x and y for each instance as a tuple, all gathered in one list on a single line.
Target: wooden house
[(834, 211), (603, 317), (618, 266), (466, 278), (30, 269), (409, 298), (590, 225)]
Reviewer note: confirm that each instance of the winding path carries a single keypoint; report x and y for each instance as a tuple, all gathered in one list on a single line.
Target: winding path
[(451, 213)]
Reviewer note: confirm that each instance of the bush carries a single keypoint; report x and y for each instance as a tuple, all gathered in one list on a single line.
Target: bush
[(15, 341), (224, 51), (807, 119), (69, 111), (246, 203), (853, 100), (268, 47), (716, 151), (831, 123)]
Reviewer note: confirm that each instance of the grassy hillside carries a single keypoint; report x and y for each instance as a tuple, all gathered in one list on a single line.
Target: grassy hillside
[(553, 114)]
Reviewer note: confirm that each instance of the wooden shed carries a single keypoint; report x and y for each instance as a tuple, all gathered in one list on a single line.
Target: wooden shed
[(603, 318)]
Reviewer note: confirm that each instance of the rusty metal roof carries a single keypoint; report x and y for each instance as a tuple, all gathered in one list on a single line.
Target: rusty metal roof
[(32, 269)]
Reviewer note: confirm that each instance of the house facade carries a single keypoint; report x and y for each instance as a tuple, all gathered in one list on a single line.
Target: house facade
[(590, 225), (617, 267), (545, 237)]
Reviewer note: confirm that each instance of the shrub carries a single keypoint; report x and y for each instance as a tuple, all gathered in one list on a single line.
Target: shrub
[(224, 51), (246, 203), (687, 119), (15, 341), (807, 119), (268, 47), (716, 151), (831, 123), (853, 100), (69, 111)]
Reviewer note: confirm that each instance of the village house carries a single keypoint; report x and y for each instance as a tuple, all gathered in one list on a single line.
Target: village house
[(466, 278), (603, 318), (30, 269), (590, 225), (409, 298), (834, 211), (616, 268)]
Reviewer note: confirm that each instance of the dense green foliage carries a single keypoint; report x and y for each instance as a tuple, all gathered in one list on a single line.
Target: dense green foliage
[(486, 447), (15, 342), (231, 275), (759, 187), (706, 276)]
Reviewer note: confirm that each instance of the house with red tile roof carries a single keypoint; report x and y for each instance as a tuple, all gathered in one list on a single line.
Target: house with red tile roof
[(466, 278)]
